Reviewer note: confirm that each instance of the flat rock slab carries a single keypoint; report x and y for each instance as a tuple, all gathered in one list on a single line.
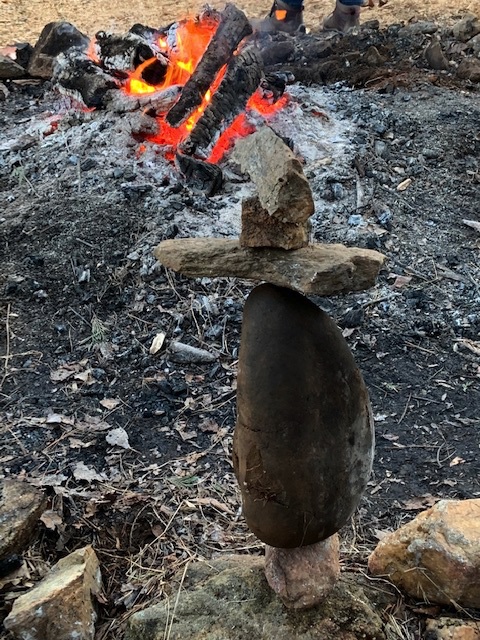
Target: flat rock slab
[(321, 269), (229, 598)]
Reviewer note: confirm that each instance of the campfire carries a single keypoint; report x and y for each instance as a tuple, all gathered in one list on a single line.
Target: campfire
[(199, 84)]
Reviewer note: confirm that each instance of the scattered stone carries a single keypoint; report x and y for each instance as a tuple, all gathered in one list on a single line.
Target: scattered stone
[(373, 58), (260, 229), (60, 606), (318, 269), (283, 189), (55, 38), (9, 69), (187, 354), (228, 598), (466, 28), (435, 57), (303, 442), (422, 27), (21, 506), (469, 69), (452, 629), (436, 557), (474, 43), (305, 576)]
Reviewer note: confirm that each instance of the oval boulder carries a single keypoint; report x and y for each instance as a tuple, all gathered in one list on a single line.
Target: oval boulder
[(303, 443)]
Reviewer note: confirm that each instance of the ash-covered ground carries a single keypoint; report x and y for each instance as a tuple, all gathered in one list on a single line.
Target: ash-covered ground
[(133, 447)]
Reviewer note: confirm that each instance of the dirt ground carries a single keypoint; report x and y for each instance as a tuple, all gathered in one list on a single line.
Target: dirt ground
[(132, 446), (22, 20)]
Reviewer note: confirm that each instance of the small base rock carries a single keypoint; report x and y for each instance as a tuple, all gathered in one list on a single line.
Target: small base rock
[(303, 577)]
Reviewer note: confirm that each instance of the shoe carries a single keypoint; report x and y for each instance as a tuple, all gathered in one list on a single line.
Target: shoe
[(343, 18), (282, 17)]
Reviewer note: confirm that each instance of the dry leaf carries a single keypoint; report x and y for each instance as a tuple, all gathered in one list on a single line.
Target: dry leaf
[(422, 502), (471, 345), (212, 502), (82, 472), (51, 519), (404, 184), (61, 374), (402, 281), (455, 461), (157, 343), (110, 403), (118, 437)]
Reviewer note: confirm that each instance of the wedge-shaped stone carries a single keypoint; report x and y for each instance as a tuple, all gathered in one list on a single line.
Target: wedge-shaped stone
[(283, 190), (60, 607), (303, 442), (436, 557), (318, 269)]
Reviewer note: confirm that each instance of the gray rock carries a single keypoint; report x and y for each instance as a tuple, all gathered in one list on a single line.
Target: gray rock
[(466, 28), (56, 38), (185, 353), (435, 57), (10, 69), (229, 599)]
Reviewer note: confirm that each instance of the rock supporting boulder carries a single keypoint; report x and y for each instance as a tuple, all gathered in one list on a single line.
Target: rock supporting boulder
[(303, 443), (436, 557), (305, 576)]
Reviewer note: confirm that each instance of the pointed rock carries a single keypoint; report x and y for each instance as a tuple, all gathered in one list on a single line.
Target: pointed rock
[(56, 37), (436, 557), (21, 506), (319, 268), (60, 607), (303, 442)]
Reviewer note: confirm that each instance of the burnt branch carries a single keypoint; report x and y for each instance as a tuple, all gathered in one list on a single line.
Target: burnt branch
[(233, 28), (80, 78), (200, 175), (241, 80)]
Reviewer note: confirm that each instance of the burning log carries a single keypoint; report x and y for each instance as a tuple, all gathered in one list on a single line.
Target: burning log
[(241, 80), (128, 51), (204, 176), (233, 28), (152, 103)]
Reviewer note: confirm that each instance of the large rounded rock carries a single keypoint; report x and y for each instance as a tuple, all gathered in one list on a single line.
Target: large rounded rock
[(303, 444)]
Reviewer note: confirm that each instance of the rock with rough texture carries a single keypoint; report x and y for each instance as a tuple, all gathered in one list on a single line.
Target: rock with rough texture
[(436, 557), (452, 629), (60, 607), (284, 192), (303, 442), (435, 57), (21, 506), (305, 576), (55, 38), (228, 598), (10, 69), (466, 28), (259, 229), (469, 69), (318, 269)]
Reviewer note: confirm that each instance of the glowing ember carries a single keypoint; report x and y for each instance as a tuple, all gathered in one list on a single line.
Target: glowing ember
[(191, 40)]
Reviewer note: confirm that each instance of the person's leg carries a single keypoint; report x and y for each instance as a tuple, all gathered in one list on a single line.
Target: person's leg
[(283, 16), (346, 15)]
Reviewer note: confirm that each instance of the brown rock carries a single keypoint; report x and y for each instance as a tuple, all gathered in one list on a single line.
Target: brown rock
[(60, 607), (469, 69), (260, 229), (283, 190), (435, 57), (10, 69), (373, 58), (55, 38), (452, 629), (320, 269), (303, 442), (436, 557), (303, 577), (466, 28), (21, 506)]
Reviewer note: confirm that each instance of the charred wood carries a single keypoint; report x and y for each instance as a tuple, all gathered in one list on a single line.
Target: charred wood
[(80, 78), (233, 28), (124, 52), (241, 80), (200, 175), (153, 104)]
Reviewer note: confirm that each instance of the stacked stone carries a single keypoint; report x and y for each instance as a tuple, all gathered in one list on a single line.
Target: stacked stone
[(303, 442)]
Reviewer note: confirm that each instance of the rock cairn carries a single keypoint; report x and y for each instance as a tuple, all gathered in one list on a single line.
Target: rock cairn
[(303, 443)]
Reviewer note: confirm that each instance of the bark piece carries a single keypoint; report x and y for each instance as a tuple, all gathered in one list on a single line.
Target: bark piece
[(259, 229), (241, 80), (305, 576), (204, 176), (60, 606), (303, 441), (318, 269), (56, 37), (21, 506), (233, 27), (436, 556), (282, 188)]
